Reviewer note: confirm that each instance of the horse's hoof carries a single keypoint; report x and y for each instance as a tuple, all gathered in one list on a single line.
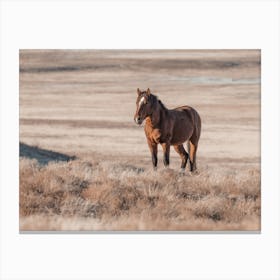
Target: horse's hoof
[(194, 172), (182, 172)]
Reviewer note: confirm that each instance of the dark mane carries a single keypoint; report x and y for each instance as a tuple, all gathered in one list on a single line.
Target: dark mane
[(162, 105), (154, 100)]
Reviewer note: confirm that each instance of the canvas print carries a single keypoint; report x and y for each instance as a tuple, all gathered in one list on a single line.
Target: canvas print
[(139, 140)]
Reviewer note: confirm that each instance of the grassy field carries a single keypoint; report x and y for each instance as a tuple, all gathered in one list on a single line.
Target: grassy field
[(85, 165)]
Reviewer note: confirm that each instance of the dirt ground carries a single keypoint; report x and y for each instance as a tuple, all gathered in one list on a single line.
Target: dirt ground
[(85, 164)]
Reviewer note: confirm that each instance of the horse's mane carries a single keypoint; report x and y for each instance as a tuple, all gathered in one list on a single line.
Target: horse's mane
[(155, 100), (162, 105)]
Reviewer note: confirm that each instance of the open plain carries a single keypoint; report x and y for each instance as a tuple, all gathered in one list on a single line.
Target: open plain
[(85, 164)]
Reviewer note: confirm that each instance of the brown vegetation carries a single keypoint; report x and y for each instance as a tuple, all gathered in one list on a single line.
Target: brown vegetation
[(119, 196)]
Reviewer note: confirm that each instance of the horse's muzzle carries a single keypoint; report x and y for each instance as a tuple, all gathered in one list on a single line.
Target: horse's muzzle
[(138, 120)]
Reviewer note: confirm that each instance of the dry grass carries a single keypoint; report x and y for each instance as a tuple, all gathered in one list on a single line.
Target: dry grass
[(89, 195)]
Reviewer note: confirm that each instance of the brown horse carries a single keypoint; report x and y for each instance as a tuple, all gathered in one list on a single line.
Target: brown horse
[(168, 127)]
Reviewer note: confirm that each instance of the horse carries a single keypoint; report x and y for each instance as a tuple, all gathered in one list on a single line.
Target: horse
[(168, 128)]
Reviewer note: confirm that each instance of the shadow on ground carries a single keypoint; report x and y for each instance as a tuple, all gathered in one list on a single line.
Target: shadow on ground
[(41, 155)]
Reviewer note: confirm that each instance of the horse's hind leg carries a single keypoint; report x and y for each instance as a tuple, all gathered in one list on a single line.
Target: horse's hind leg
[(193, 142), (192, 152), (183, 154)]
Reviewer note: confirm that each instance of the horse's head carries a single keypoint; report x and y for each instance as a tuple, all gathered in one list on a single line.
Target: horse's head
[(143, 105)]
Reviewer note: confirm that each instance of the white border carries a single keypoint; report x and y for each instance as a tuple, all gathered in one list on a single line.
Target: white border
[(158, 24)]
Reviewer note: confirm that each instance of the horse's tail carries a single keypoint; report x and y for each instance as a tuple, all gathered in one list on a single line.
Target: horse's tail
[(197, 124)]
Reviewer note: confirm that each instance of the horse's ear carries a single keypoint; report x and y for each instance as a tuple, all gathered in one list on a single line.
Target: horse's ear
[(148, 91), (138, 91)]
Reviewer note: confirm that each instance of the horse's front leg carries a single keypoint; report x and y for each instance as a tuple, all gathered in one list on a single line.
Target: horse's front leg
[(166, 153), (153, 149)]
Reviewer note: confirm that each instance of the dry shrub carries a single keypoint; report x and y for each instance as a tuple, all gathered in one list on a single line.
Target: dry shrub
[(120, 196), (51, 189)]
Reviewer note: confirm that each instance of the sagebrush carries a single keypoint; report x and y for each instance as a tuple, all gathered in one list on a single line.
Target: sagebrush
[(90, 195)]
